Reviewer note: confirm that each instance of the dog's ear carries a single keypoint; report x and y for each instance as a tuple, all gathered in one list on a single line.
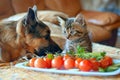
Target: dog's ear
[(35, 9), (30, 18)]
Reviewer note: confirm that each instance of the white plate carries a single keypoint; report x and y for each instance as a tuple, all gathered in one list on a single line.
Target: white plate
[(71, 71)]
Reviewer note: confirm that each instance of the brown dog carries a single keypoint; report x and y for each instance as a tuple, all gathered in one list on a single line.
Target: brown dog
[(29, 35)]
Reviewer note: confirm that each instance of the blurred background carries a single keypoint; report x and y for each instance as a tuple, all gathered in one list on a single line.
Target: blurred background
[(104, 6)]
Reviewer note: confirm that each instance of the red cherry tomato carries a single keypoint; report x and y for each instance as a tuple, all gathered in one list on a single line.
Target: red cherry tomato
[(95, 64), (66, 56), (57, 62), (31, 62), (69, 63), (48, 61), (40, 63), (77, 61), (106, 61), (92, 59), (110, 60), (85, 65)]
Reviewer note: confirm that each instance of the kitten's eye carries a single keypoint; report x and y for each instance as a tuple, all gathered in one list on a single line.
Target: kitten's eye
[(72, 32), (65, 31), (79, 32)]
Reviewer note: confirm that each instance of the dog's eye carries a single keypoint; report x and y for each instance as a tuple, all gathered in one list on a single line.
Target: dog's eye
[(47, 36), (48, 31)]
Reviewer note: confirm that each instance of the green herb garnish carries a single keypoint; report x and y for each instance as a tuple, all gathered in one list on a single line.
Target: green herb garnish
[(87, 55)]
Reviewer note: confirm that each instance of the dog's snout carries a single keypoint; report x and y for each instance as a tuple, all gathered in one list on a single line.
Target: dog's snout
[(52, 48), (35, 51)]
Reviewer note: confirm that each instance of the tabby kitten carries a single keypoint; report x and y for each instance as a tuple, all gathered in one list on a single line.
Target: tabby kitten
[(76, 33)]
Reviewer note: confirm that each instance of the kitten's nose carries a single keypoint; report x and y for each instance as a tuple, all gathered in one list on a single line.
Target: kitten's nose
[(68, 36)]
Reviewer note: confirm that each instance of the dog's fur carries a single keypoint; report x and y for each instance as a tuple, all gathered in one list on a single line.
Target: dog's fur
[(29, 35)]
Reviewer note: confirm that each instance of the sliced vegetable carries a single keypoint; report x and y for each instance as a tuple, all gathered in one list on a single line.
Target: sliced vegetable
[(111, 68), (101, 69)]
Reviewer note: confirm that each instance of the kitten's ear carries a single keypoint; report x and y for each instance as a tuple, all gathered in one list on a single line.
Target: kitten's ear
[(62, 22), (35, 9), (80, 19)]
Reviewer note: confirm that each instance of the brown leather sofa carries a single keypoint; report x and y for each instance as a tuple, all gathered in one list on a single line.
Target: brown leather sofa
[(102, 25)]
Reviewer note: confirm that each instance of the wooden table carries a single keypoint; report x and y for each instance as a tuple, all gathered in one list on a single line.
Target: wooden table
[(13, 73)]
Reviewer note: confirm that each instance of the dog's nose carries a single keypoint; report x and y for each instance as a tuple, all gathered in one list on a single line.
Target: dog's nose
[(41, 52), (35, 51), (49, 49)]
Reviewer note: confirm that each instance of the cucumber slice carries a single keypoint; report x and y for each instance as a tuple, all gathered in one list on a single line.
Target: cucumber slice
[(111, 68), (116, 65), (101, 70)]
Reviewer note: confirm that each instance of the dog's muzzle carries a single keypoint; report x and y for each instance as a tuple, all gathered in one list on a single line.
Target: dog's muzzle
[(50, 49)]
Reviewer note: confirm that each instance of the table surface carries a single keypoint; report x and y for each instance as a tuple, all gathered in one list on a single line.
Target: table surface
[(13, 73)]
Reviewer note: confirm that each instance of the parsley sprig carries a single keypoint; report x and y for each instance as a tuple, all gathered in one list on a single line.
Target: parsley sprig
[(87, 55)]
